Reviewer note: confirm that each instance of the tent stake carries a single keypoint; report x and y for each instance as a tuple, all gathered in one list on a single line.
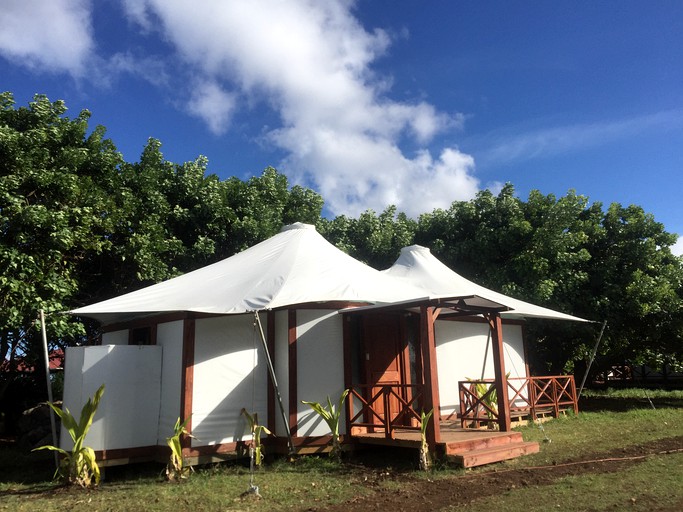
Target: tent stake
[(49, 385), (271, 371), (595, 351)]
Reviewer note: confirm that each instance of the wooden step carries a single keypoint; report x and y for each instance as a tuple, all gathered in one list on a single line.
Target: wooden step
[(479, 457), (480, 442)]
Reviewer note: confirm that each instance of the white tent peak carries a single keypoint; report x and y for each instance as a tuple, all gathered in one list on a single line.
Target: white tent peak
[(297, 225), (296, 266), (417, 265)]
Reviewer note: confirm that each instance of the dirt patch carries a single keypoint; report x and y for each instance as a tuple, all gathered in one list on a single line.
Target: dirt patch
[(418, 494)]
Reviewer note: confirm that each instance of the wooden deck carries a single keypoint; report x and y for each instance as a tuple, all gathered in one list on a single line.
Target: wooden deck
[(465, 447)]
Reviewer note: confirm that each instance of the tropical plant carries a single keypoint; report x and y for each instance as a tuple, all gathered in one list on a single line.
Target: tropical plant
[(78, 466), (331, 417), (176, 469), (488, 395), (425, 456), (256, 431)]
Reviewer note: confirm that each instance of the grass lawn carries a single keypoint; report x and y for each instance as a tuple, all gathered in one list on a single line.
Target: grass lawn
[(606, 458)]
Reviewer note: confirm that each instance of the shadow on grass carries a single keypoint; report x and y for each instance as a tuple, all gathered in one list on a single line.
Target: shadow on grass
[(18, 465), (614, 404)]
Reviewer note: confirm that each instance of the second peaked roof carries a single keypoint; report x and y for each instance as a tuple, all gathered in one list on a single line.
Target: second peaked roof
[(417, 265)]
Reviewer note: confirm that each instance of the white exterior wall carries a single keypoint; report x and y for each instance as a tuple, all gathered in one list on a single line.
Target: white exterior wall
[(230, 373), (115, 337), (128, 414), (320, 367), (461, 353), (170, 337)]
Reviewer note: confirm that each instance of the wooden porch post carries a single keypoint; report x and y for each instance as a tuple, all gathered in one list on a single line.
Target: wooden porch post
[(430, 375), (293, 380), (187, 380), (499, 367), (348, 370)]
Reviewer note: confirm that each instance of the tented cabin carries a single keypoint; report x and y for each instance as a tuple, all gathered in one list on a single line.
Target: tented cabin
[(290, 319)]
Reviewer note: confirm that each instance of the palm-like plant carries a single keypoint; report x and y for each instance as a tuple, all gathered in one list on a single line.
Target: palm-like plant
[(79, 465), (256, 431), (425, 457), (331, 417), (176, 469)]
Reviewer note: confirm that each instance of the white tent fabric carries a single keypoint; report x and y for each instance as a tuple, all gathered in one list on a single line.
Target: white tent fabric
[(295, 266), (417, 265)]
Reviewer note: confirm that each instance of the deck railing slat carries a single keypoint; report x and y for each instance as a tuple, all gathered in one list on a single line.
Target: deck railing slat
[(529, 396)]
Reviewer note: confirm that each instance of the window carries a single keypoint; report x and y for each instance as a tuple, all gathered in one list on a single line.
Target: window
[(141, 336)]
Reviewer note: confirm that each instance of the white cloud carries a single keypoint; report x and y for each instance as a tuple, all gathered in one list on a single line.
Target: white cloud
[(510, 145), (311, 62), (677, 248), (54, 35), (212, 104), (151, 69)]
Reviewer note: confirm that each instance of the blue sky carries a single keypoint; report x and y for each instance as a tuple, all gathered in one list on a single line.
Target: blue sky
[(377, 102)]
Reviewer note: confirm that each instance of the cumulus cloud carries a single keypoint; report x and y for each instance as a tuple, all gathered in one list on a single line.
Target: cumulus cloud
[(53, 35), (311, 62), (677, 248), (212, 104)]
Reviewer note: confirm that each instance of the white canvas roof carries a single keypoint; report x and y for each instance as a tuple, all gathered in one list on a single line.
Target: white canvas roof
[(293, 267), (417, 265)]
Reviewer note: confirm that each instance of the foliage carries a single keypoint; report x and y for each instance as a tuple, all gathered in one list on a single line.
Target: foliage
[(176, 469), (425, 457), (374, 239), (487, 394), (256, 432), (78, 466), (54, 214), (331, 416)]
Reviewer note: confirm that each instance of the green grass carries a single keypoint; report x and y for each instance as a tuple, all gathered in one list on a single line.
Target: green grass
[(591, 433), (313, 483), (654, 484), (635, 393)]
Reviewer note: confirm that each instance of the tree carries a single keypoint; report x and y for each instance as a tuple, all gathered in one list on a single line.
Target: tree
[(263, 204), (374, 239), (54, 214)]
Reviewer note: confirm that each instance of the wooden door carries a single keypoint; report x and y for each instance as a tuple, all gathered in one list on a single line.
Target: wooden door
[(382, 358)]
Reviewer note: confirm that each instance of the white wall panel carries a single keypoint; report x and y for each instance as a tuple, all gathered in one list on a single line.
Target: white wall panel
[(320, 366), (229, 373), (170, 337), (463, 350), (128, 414)]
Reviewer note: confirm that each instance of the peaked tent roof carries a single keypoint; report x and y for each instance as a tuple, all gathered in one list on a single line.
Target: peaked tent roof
[(417, 265), (295, 266)]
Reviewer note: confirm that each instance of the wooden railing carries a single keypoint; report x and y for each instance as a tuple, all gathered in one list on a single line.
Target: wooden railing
[(386, 407), (528, 396)]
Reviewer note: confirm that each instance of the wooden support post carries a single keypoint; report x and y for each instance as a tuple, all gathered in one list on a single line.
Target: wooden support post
[(187, 384), (348, 368), (431, 381), (499, 368), (270, 341), (293, 399)]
